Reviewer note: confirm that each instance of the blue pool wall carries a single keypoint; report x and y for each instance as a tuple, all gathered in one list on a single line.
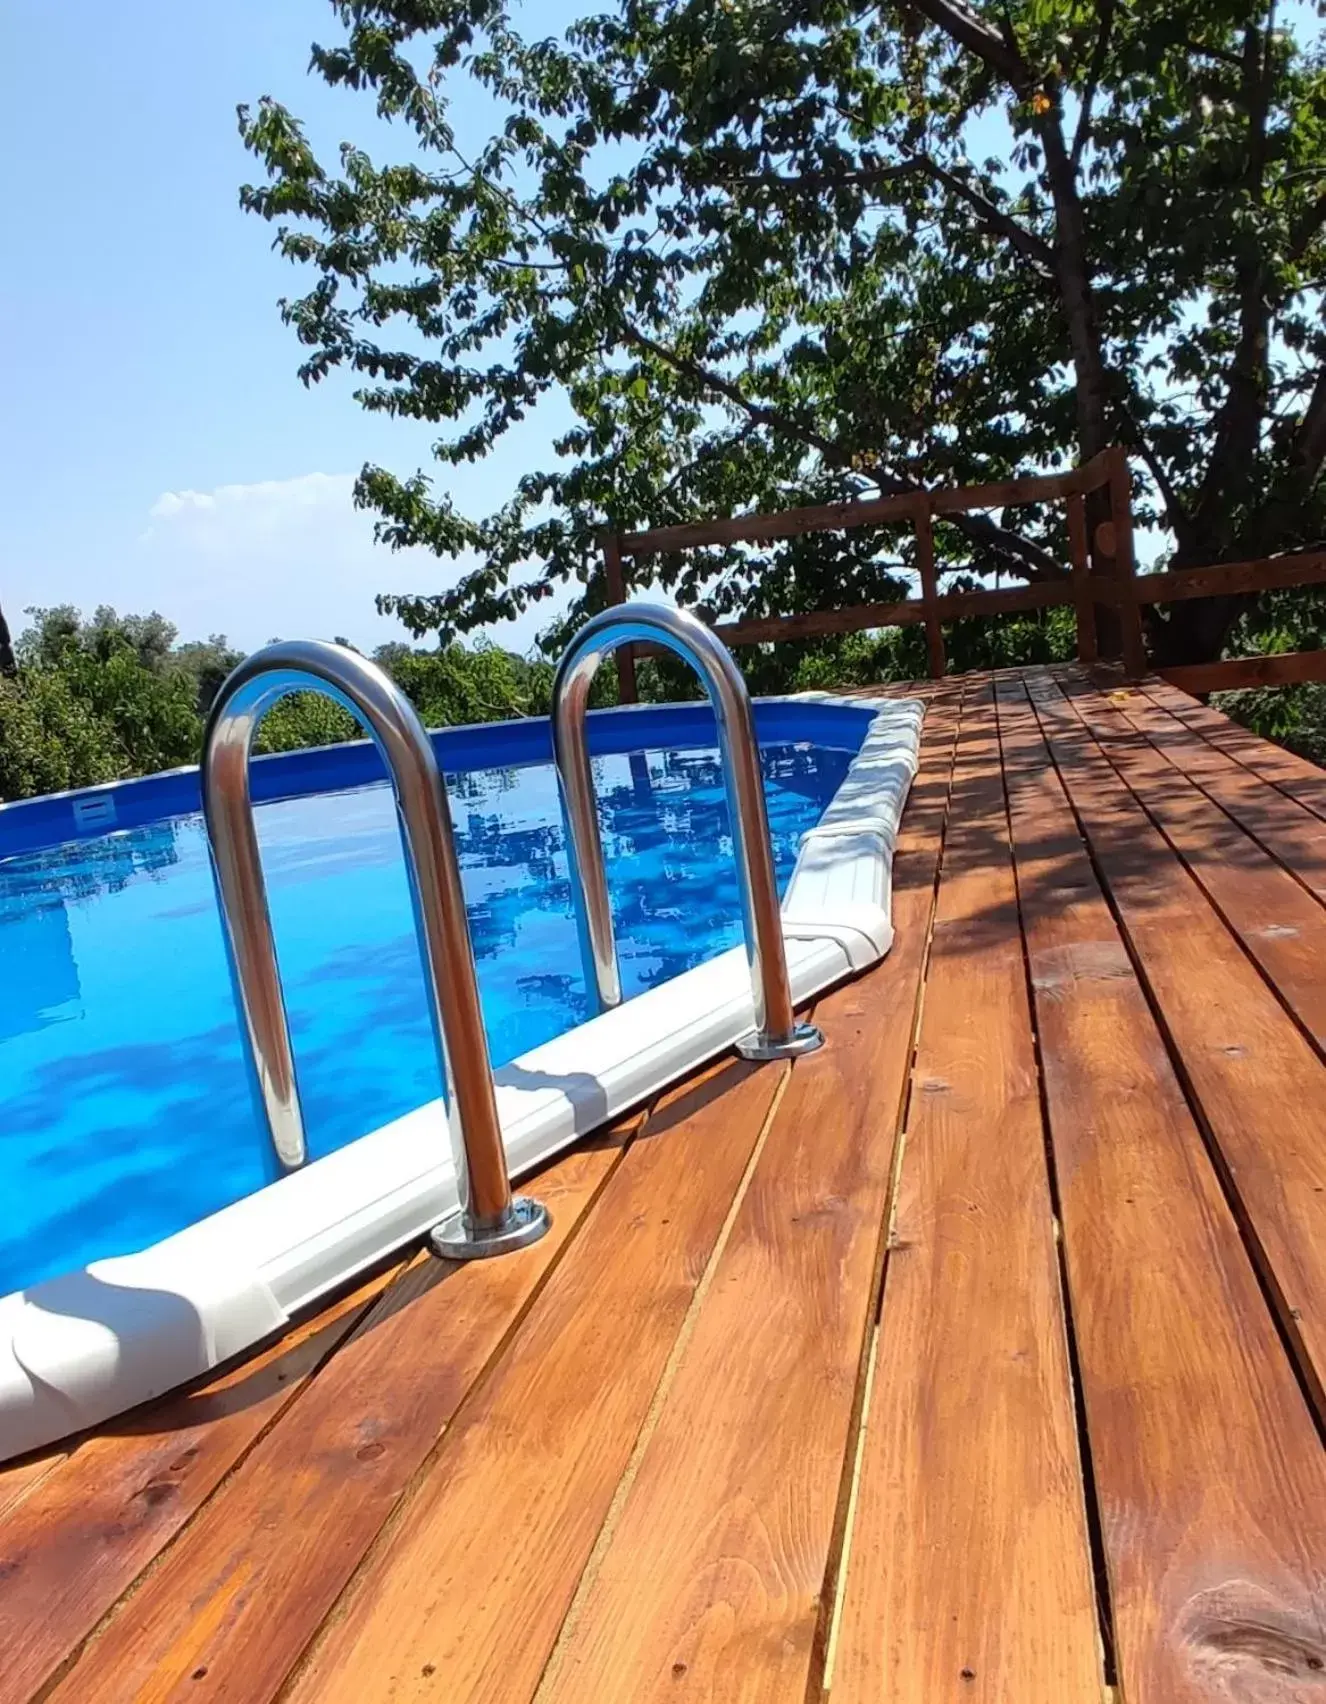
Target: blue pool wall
[(28, 825)]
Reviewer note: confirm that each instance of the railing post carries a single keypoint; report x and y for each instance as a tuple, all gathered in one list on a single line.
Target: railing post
[(1079, 555), (491, 1220), (925, 563), (612, 573)]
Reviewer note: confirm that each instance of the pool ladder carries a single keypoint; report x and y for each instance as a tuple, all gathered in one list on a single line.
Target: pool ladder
[(777, 1034), (491, 1220)]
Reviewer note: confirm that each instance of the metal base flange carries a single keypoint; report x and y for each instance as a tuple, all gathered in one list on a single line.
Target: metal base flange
[(805, 1038), (526, 1222)]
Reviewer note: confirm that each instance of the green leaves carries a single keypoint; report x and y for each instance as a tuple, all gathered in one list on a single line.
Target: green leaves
[(749, 245), (115, 696)]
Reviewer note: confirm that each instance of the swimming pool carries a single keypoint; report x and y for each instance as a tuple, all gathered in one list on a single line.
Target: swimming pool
[(140, 1230), (120, 1048)]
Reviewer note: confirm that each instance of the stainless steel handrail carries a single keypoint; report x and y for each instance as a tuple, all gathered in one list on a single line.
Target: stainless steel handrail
[(492, 1220), (777, 1035)]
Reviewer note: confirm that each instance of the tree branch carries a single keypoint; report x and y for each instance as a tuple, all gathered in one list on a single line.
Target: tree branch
[(1217, 53), (1310, 440), (1097, 66), (1023, 555), (1307, 227), (1071, 264), (1175, 513), (972, 32), (1027, 243), (1238, 421), (865, 178)]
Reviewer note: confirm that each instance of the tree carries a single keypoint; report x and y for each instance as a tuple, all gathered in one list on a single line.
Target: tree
[(97, 700), (8, 661), (757, 247)]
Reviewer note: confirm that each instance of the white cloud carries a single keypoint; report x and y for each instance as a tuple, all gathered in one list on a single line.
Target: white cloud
[(288, 558)]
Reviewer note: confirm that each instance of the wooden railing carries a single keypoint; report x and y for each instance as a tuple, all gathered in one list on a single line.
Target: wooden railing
[(1102, 574)]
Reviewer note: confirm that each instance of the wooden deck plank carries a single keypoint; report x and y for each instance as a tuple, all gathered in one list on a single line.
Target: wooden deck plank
[(1240, 1053), (467, 1600), (1282, 927), (230, 1608), (757, 1419), (87, 1530), (1287, 830), (1293, 775), (1209, 1472), (969, 1569), (20, 1478)]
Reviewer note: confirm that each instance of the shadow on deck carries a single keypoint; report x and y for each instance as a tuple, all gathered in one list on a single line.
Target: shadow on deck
[(978, 1356)]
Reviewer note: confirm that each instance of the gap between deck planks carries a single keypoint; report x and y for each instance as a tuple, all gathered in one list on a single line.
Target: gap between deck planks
[(468, 1602), (1274, 916), (89, 1526), (968, 1572), (1239, 1053), (1287, 829), (1209, 1471), (229, 1608), (720, 1593), (1285, 770)]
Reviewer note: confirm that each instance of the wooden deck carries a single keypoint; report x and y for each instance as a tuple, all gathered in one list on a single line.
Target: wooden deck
[(977, 1357)]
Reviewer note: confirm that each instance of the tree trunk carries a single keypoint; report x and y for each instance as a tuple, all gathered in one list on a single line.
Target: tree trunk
[(1090, 382), (1091, 389), (1194, 631), (8, 661)]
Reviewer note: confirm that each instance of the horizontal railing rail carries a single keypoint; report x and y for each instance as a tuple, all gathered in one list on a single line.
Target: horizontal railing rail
[(1102, 574)]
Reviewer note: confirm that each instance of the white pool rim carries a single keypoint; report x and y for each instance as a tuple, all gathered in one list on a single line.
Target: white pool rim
[(78, 1349)]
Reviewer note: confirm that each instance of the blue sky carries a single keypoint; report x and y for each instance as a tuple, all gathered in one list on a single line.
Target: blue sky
[(156, 447)]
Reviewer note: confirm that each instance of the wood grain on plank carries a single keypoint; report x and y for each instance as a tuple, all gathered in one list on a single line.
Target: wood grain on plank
[(1210, 1475), (1240, 1053), (969, 1568), (1288, 830), (1282, 927), (466, 1601), (1265, 574), (1292, 774), (19, 1478), (1237, 674), (229, 1610), (713, 1581), (87, 1530)]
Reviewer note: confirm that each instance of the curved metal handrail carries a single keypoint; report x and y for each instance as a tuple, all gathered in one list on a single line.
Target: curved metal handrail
[(492, 1221), (777, 1035)]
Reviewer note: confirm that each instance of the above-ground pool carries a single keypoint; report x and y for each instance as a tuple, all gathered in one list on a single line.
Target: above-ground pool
[(145, 1236), (123, 1112)]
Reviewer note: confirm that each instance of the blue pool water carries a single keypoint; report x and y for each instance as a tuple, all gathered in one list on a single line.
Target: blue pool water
[(124, 1108)]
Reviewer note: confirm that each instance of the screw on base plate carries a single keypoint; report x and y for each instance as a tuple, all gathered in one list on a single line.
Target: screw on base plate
[(524, 1224), (805, 1038)]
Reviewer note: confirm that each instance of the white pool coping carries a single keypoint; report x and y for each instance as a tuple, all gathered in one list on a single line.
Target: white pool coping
[(77, 1349)]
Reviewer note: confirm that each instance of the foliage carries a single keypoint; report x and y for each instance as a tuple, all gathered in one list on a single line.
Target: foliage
[(50, 738), (98, 700), (1293, 715), (773, 254), (305, 719), (115, 675), (454, 685)]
